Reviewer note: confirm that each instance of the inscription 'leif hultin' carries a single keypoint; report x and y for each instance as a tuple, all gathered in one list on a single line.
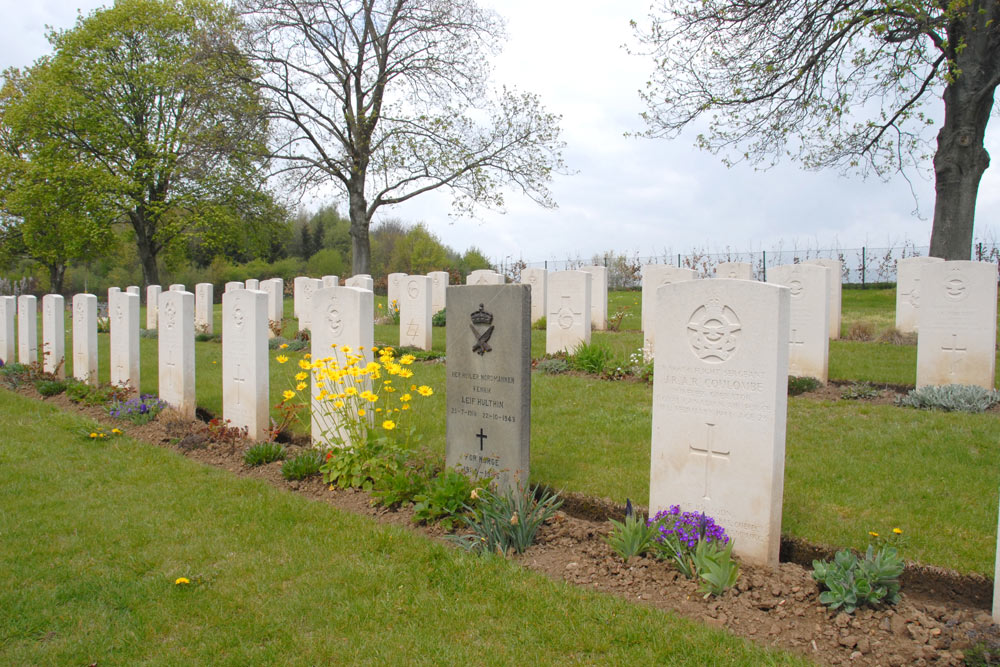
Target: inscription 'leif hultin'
[(489, 381)]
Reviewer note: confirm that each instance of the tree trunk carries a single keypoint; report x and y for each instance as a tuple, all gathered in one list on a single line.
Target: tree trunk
[(57, 274), (361, 251), (147, 251), (961, 157)]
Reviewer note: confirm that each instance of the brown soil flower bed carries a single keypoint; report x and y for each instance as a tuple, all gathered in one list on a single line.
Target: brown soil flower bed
[(941, 616)]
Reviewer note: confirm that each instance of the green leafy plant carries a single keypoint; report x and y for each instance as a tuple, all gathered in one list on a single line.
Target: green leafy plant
[(444, 499), (506, 521), (553, 366), (139, 410), (402, 486), (149, 333), (360, 466), (800, 385), (633, 537), (263, 452), (859, 391), (220, 432), (540, 324), (853, 582), (440, 318), (594, 358), (951, 398), (287, 344), (715, 566), (305, 464), (50, 387), (16, 374), (698, 546)]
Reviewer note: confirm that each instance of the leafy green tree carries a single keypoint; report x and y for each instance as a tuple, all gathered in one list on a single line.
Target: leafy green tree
[(47, 212), (388, 99), (151, 101), (841, 84)]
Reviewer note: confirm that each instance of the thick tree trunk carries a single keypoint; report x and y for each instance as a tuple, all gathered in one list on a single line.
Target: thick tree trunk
[(147, 251), (961, 157), (361, 251), (57, 274)]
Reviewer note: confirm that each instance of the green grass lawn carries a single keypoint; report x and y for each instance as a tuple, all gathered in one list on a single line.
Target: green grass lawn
[(850, 467), (96, 532)]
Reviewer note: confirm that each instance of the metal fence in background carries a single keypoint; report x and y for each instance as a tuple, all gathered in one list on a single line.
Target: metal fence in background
[(862, 266)]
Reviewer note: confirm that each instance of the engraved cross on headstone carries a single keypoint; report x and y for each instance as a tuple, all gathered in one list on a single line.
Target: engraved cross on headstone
[(482, 436), (956, 352), (412, 329), (239, 382), (708, 453)]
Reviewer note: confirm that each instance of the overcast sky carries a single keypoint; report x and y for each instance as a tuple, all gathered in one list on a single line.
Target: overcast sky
[(625, 194)]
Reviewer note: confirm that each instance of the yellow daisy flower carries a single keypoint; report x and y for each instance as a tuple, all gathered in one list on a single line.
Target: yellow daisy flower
[(281, 358), (300, 386), (361, 412), (388, 424), (424, 390), (288, 394), (283, 346), (404, 398), (301, 376), (304, 365)]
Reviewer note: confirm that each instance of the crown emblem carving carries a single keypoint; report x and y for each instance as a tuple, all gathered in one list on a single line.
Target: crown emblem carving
[(481, 316)]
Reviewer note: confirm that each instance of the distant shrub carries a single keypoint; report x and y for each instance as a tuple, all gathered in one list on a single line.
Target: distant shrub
[(800, 385), (140, 410), (553, 366), (894, 336), (205, 337), (595, 358), (861, 331), (305, 464), (859, 390), (440, 318), (148, 333), (263, 452), (291, 344), (951, 398), (50, 387), (540, 324)]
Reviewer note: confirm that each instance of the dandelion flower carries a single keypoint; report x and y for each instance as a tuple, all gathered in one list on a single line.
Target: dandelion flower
[(873, 533), (388, 424), (424, 390), (93, 435), (897, 531), (283, 346), (118, 431), (281, 358), (180, 581)]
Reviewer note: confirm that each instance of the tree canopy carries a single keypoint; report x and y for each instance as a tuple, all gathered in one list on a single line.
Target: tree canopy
[(149, 102), (389, 99), (845, 84)]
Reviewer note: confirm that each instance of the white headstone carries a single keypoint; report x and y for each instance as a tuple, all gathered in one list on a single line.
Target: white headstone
[(54, 334), (439, 290), (203, 310), (152, 300), (275, 289), (488, 390), (734, 270), (85, 338), (331, 281), (134, 289), (598, 296), (908, 291), (252, 283), (245, 380), (719, 407), (297, 295), (234, 284), (808, 340), (485, 277), (655, 276), (958, 324), (304, 291), (393, 283), (537, 279), (176, 351), (361, 281), (567, 323), (124, 359), (836, 292), (8, 342), (113, 290), (341, 316), (27, 329), (415, 312), (177, 287)]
